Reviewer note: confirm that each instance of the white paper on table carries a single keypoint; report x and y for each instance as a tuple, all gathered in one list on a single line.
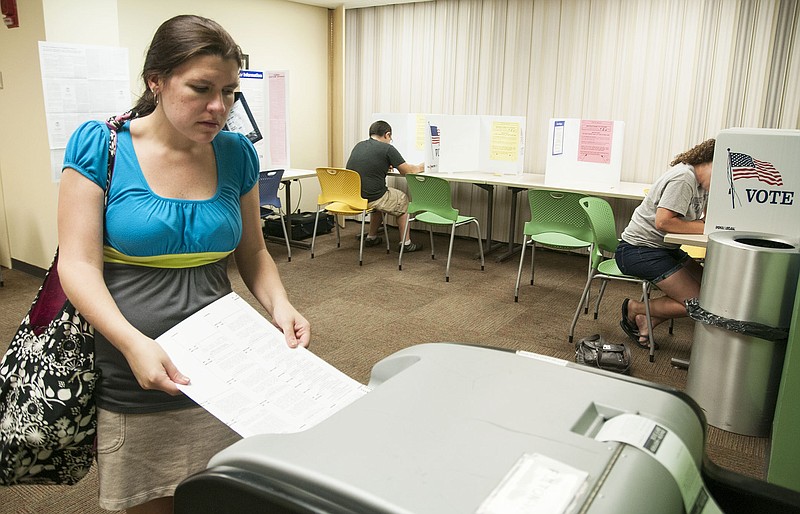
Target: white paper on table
[(243, 372), (536, 483), (669, 450)]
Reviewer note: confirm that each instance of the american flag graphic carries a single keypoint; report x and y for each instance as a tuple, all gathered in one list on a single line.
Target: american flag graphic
[(745, 166), (434, 135)]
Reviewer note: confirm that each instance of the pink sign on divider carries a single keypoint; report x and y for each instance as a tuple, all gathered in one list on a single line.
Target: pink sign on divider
[(594, 141)]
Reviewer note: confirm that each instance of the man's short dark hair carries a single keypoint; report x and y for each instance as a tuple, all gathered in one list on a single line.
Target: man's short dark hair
[(379, 128)]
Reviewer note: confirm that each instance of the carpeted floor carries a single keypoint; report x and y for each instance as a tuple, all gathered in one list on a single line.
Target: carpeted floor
[(360, 315)]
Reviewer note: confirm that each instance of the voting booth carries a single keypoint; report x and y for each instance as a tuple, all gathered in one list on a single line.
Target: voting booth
[(584, 152), (453, 429), (460, 143), (755, 179)]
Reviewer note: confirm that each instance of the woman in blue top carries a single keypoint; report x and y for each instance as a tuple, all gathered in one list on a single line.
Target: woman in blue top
[(183, 197)]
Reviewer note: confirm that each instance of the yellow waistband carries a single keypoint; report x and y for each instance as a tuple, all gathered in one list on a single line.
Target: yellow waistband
[(184, 260)]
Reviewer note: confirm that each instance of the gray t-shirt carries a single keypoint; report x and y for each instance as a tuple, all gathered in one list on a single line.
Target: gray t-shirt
[(371, 159), (677, 190)]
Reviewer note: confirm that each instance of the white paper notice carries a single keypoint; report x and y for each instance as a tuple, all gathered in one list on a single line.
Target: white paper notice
[(668, 449), (80, 83), (243, 372), (536, 483)]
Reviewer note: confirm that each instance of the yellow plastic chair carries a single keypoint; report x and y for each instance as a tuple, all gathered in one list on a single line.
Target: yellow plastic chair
[(558, 222), (431, 203), (341, 195)]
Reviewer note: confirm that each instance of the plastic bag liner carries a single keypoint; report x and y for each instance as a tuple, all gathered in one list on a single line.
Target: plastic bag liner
[(749, 328)]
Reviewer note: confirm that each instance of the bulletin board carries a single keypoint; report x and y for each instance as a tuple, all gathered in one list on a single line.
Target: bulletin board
[(266, 93), (584, 152)]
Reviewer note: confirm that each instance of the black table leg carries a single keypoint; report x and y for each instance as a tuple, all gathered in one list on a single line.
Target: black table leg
[(512, 247), (490, 243)]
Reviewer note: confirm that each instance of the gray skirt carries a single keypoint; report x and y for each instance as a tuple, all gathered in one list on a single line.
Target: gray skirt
[(141, 457)]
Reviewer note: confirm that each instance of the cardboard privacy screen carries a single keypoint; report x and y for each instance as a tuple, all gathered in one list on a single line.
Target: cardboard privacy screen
[(754, 182)]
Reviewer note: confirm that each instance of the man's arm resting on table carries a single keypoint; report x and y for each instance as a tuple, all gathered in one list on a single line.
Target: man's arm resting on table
[(672, 223), (410, 169)]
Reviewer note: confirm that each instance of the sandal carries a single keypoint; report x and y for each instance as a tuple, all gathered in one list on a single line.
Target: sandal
[(632, 330), (633, 335), (629, 327), (646, 343), (636, 337)]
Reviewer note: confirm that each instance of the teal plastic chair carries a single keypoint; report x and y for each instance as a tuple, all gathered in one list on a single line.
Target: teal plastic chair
[(431, 203), (604, 231), (270, 202), (557, 221)]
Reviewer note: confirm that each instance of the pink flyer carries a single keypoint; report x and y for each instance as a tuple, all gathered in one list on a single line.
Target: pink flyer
[(594, 142)]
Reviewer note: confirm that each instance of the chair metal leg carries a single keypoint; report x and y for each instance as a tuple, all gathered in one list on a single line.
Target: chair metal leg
[(403, 237), (286, 236), (646, 296), (603, 285), (361, 242), (519, 270), (314, 234), (588, 274), (430, 233), (533, 258), (480, 244), (450, 253), (580, 306), (386, 235)]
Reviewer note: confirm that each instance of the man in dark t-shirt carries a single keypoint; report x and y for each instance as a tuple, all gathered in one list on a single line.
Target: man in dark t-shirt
[(372, 159)]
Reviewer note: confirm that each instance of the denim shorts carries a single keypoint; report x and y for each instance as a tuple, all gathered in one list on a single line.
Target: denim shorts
[(653, 264)]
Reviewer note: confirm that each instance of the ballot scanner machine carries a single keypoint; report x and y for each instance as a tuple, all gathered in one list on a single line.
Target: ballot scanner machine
[(451, 428)]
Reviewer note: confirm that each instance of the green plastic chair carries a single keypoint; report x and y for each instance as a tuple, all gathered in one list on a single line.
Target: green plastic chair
[(431, 203), (558, 222), (604, 230)]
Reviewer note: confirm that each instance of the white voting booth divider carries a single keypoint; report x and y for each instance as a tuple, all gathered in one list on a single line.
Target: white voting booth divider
[(754, 182), (584, 152), (494, 144), (433, 146)]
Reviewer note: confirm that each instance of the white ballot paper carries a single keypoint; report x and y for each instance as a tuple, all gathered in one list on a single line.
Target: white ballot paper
[(536, 483), (243, 372), (668, 449)]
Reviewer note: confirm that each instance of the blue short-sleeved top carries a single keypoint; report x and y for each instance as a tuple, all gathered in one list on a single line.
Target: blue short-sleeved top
[(146, 229)]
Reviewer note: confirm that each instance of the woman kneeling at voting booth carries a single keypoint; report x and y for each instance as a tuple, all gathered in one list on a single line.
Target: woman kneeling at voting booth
[(676, 203), (183, 197)]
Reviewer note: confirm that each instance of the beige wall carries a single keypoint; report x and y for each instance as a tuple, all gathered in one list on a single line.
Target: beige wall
[(29, 196), (277, 34)]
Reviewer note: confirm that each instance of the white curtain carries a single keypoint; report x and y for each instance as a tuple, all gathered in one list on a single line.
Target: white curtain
[(675, 71)]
